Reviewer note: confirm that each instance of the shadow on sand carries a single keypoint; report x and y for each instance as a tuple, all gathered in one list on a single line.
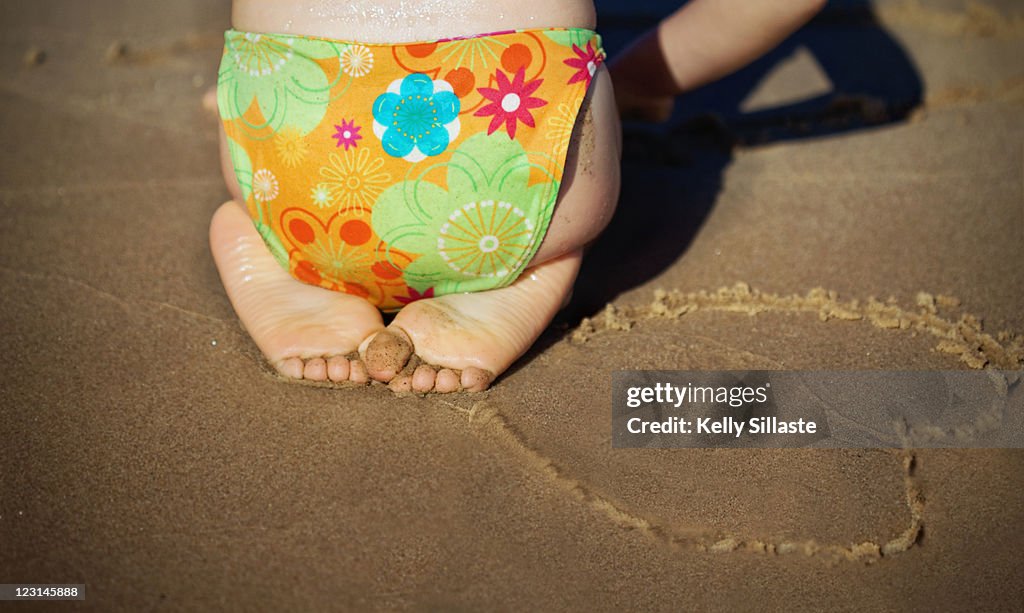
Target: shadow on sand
[(672, 174)]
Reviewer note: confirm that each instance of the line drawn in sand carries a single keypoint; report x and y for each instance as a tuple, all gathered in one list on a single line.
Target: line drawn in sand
[(963, 337), (485, 417)]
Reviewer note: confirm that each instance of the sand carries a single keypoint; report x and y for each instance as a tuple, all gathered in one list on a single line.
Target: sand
[(148, 451)]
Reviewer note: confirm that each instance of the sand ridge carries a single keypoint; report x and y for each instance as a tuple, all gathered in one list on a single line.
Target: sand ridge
[(963, 336), (485, 417), (963, 433)]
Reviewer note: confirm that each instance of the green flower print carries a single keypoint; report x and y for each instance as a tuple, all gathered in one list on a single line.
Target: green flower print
[(280, 73), (482, 231), (570, 37), (243, 172), (243, 166)]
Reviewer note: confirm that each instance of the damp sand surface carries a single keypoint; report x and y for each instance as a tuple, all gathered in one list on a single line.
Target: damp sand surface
[(151, 454)]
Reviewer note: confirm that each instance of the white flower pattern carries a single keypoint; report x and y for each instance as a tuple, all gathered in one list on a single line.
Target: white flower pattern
[(356, 60), (264, 185), (321, 195)]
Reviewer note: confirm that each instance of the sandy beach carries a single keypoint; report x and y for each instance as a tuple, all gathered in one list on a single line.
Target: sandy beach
[(149, 452)]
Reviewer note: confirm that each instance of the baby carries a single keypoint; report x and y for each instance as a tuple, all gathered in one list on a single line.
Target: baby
[(447, 161)]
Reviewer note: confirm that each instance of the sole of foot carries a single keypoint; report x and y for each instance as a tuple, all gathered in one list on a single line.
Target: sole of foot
[(463, 341), (305, 332)]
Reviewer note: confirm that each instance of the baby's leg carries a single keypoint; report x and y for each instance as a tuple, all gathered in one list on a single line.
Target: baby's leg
[(304, 331), (701, 42), (465, 340)]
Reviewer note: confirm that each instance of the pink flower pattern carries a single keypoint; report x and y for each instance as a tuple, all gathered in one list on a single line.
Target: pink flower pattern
[(586, 63), (414, 296), (510, 102), (347, 134)]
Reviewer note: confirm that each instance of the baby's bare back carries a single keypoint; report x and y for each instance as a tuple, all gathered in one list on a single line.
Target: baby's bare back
[(407, 20)]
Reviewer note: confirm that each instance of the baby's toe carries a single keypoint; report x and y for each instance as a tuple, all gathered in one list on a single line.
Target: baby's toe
[(447, 381), (357, 372), (315, 370), (475, 379), (338, 368), (423, 378), (401, 383), (291, 368)]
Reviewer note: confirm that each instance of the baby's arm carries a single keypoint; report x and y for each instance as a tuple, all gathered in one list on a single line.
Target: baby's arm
[(699, 43)]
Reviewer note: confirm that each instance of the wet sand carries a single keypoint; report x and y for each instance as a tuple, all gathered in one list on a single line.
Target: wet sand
[(148, 452)]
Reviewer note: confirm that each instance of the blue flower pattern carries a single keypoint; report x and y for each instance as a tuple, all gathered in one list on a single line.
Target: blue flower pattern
[(420, 119)]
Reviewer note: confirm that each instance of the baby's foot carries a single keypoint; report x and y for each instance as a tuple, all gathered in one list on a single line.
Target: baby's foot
[(304, 331), (464, 341), (209, 100)]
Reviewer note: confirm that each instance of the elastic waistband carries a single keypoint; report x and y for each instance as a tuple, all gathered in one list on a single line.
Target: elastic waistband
[(588, 33)]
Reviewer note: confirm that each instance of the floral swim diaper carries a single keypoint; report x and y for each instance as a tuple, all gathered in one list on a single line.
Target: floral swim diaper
[(397, 172)]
